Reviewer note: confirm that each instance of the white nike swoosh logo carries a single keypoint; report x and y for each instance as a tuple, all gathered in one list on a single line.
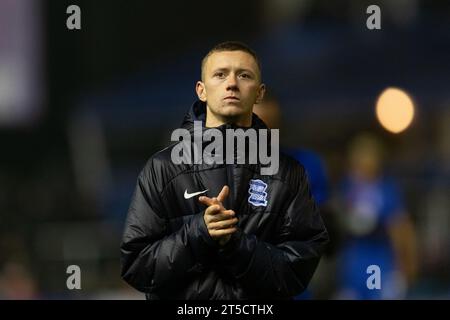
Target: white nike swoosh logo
[(190, 195)]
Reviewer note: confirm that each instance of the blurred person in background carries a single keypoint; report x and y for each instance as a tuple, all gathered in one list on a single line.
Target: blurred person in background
[(323, 282), (16, 282), (16, 278), (378, 229)]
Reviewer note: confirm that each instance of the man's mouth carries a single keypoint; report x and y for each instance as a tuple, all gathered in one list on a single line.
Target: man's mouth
[(231, 98)]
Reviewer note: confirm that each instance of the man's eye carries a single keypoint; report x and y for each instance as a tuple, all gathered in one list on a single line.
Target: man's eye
[(219, 74), (245, 76)]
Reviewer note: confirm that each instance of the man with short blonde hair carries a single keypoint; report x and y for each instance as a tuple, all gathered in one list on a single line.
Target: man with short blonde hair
[(222, 231)]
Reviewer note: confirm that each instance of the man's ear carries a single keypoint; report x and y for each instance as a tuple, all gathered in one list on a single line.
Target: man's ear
[(201, 91), (261, 91)]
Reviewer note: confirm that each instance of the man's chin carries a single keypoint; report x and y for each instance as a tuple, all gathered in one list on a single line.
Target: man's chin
[(233, 109), (232, 113)]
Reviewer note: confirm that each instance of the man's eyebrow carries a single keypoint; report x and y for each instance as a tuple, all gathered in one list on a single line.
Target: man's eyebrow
[(245, 70), (221, 69), (237, 70)]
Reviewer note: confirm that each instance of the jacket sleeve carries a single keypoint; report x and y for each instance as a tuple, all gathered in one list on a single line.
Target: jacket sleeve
[(153, 259), (283, 268)]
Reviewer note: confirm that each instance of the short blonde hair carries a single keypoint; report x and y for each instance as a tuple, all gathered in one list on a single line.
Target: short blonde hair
[(231, 46)]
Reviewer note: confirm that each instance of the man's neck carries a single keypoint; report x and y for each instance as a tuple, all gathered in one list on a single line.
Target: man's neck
[(213, 121)]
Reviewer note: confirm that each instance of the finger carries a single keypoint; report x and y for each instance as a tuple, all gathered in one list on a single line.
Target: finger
[(216, 201), (210, 201), (213, 210), (223, 194), (222, 232), (207, 201), (228, 213), (224, 224), (222, 215)]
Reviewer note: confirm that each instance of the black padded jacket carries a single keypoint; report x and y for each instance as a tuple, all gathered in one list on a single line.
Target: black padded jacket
[(167, 252)]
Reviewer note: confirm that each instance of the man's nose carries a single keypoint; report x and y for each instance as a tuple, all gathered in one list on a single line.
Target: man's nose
[(232, 83)]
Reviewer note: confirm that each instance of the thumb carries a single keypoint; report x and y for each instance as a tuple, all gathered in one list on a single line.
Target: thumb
[(223, 193)]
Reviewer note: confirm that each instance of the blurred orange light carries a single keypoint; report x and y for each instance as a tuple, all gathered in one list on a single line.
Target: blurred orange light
[(395, 110)]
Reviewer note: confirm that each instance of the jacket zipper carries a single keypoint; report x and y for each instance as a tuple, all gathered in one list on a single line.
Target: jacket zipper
[(230, 181), (230, 177)]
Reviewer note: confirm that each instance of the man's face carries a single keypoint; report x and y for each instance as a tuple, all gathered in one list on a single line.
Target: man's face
[(231, 85)]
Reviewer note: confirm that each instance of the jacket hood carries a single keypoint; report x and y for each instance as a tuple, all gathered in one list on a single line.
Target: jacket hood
[(197, 112)]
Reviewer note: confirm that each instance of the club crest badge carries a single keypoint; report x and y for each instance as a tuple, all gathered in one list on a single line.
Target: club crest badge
[(258, 194)]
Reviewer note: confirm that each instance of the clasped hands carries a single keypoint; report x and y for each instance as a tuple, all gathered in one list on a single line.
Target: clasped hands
[(220, 222)]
